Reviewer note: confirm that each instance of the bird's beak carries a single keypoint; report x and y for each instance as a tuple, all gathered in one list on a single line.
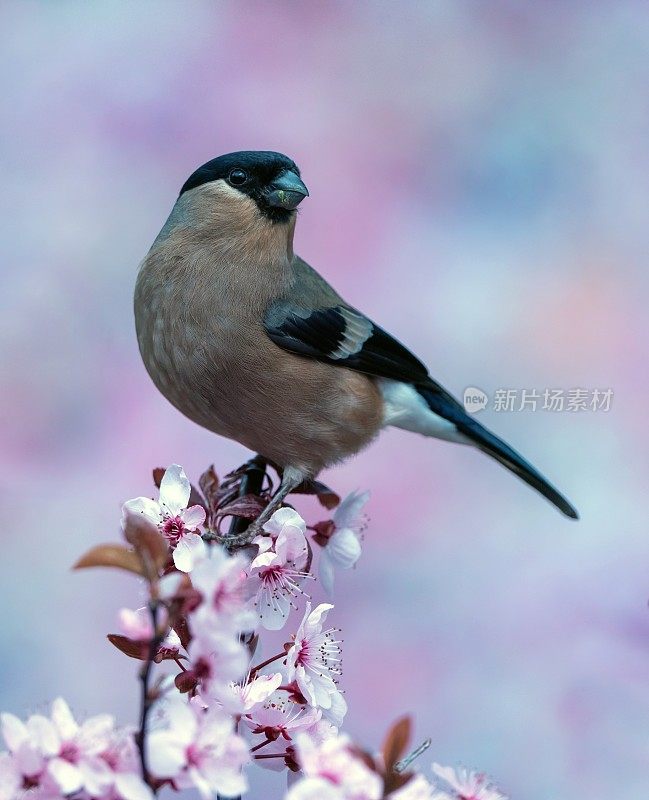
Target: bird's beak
[(286, 191)]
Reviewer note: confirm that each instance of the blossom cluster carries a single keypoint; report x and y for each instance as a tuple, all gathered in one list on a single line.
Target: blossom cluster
[(217, 707), (54, 756)]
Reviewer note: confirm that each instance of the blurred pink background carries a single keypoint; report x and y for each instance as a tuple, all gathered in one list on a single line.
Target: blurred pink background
[(479, 186)]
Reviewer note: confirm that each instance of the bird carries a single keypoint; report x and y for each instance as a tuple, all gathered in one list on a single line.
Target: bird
[(249, 341)]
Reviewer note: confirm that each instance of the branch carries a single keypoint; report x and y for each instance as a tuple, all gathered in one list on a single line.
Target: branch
[(146, 700), (251, 483)]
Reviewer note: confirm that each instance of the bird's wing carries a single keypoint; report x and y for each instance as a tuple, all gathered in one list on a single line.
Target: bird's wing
[(342, 336)]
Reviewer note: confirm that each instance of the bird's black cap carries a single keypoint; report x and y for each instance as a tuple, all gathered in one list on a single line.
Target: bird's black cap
[(254, 172)]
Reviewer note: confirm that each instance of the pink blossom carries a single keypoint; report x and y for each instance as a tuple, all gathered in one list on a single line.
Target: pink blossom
[(314, 660), (280, 717), (468, 785), (287, 528), (199, 749), (242, 698), (26, 757), (216, 660), (174, 520), (333, 771), (278, 569), (123, 762), (220, 579), (72, 752), (343, 546)]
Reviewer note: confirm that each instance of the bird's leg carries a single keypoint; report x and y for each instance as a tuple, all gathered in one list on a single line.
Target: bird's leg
[(291, 479)]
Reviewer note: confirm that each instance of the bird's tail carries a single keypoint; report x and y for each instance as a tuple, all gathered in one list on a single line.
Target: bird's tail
[(443, 405)]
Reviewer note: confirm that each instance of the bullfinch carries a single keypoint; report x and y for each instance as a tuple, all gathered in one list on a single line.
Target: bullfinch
[(249, 341)]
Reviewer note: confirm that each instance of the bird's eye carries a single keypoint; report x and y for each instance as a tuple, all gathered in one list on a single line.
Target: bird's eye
[(238, 177)]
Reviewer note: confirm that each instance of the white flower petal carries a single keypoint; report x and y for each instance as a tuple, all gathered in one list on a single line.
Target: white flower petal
[(314, 789), (14, 731), (96, 776), (94, 734), (66, 776), (316, 618), (349, 512), (182, 719), (272, 610), (193, 517), (142, 505), (189, 551), (174, 490), (165, 754), (338, 708), (282, 517), (132, 787), (136, 624), (10, 778), (44, 735), (344, 548), (260, 689), (63, 719)]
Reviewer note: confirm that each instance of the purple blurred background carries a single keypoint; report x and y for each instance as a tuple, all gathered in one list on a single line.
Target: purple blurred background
[(479, 186)]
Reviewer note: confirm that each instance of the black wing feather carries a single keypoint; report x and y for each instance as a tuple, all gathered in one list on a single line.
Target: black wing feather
[(322, 333)]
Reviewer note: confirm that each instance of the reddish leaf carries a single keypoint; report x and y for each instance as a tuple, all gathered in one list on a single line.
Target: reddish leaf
[(130, 647), (182, 629), (326, 496), (396, 742), (145, 538), (185, 682), (365, 757), (249, 507), (209, 483), (396, 780), (166, 654), (323, 532), (111, 555)]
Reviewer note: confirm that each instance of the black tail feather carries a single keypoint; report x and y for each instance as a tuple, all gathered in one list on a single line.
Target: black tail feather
[(446, 406)]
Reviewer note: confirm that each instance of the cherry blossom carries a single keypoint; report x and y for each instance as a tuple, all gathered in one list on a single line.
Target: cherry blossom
[(332, 770), (276, 572), (199, 749), (122, 760), (216, 660), (468, 785), (220, 580), (73, 751), (175, 521), (242, 698), (26, 759), (314, 659), (342, 545), (286, 526), (280, 717)]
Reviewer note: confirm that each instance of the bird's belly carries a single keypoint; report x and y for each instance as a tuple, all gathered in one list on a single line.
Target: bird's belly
[(292, 410)]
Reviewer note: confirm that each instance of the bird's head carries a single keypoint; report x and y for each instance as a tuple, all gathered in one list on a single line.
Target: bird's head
[(271, 180)]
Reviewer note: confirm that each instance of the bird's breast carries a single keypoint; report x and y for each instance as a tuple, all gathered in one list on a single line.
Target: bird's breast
[(207, 351)]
